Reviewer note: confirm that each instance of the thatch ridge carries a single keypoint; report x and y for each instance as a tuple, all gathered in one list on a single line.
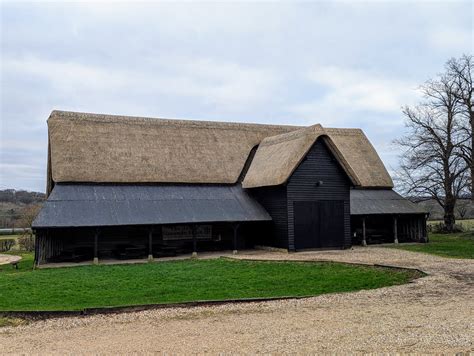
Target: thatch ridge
[(141, 120)]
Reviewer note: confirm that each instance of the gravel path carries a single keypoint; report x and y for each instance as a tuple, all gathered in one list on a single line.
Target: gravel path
[(432, 314), (6, 259)]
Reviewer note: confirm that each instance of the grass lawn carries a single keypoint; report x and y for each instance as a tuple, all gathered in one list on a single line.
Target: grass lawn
[(76, 288), (459, 245)]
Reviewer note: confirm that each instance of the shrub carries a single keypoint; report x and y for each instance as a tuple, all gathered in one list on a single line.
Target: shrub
[(6, 245), (26, 243)]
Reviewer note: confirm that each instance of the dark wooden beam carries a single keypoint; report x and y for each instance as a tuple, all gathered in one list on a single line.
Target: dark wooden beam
[(235, 227), (194, 241), (96, 246), (150, 244), (364, 237), (395, 230), (37, 243)]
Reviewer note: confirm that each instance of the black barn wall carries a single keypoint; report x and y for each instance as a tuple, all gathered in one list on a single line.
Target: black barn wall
[(274, 200), (318, 165)]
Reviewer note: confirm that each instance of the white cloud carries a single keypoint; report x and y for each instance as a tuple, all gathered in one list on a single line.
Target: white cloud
[(348, 91), (455, 40), (260, 62), (226, 84)]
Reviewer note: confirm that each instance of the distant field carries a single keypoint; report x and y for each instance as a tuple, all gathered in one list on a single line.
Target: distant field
[(467, 224), (5, 237), (15, 237)]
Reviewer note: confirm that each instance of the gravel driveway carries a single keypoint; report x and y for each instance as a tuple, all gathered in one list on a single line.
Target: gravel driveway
[(432, 314)]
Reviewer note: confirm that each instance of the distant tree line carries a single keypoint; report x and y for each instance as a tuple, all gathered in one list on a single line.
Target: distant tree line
[(438, 157), (18, 208), (21, 196)]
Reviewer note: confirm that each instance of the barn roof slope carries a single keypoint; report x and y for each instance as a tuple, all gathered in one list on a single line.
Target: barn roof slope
[(94, 148), (381, 201), (277, 157), (88, 205)]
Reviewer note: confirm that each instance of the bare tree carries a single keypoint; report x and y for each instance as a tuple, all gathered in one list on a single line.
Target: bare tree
[(432, 164), (461, 72), (462, 207), (28, 214)]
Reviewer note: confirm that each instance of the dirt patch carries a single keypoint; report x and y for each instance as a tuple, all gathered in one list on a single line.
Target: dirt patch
[(9, 259)]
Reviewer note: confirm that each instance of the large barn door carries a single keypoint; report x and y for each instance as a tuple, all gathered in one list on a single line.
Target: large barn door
[(319, 224)]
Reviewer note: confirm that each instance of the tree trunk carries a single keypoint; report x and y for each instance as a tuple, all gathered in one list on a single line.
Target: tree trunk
[(449, 219), (471, 119)]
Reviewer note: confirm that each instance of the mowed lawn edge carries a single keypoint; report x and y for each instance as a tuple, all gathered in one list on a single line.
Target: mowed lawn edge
[(78, 288), (459, 245)]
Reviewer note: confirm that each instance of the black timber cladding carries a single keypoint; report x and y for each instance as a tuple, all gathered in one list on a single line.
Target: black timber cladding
[(384, 201), (80, 205), (274, 200), (319, 165)]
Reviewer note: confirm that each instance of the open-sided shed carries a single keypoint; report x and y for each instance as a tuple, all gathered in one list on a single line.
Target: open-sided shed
[(382, 215)]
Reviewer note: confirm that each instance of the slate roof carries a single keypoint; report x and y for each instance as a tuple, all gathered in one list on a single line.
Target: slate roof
[(381, 201), (81, 205)]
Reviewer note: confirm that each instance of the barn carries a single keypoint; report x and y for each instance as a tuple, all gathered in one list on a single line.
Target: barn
[(130, 187)]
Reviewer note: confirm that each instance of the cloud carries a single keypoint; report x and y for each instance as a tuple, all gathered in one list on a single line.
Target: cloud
[(454, 40), (229, 85), (353, 91), (337, 63)]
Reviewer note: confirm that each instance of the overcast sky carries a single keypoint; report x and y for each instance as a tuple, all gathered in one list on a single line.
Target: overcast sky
[(341, 64)]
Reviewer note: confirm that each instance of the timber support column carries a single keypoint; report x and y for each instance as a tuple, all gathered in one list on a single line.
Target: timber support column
[(150, 244), (37, 238), (364, 237), (96, 246), (194, 254), (395, 230), (235, 227)]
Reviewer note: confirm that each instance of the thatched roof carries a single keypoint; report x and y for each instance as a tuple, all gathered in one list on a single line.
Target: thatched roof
[(361, 157), (117, 149), (278, 156)]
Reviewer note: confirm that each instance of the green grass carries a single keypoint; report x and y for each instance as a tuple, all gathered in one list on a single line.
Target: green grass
[(460, 245), (76, 288)]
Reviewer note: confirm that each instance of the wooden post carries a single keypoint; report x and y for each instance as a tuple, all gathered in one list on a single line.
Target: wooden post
[(194, 242), (37, 242), (235, 226), (364, 237), (395, 231), (96, 247), (150, 244), (420, 229)]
